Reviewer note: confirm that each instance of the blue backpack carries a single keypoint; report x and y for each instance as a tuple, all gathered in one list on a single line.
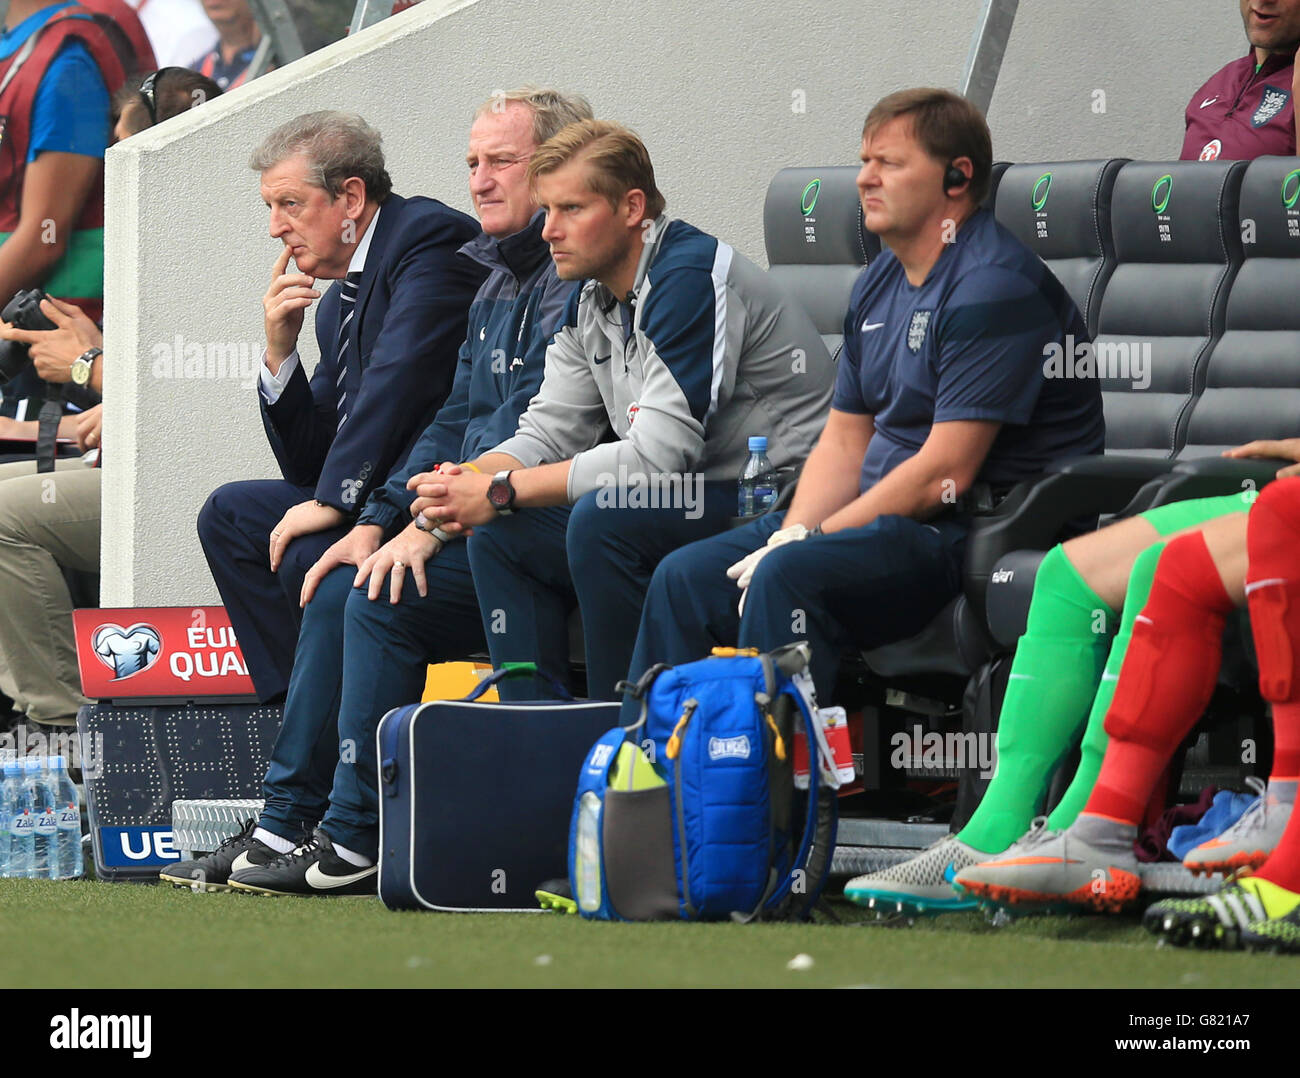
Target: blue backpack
[(692, 812)]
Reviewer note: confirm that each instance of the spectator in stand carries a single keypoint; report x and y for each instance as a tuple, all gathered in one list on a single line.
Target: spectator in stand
[(1247, 108), (51, 521), (177, 29), (238, 36), (52, 211), (51, 178), (165, 93), (160, 96)]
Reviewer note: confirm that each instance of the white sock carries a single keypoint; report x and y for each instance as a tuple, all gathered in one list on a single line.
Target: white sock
[(278, 844), (351, 858)]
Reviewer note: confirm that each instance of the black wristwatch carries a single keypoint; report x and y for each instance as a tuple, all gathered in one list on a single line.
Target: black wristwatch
[(500, 494)]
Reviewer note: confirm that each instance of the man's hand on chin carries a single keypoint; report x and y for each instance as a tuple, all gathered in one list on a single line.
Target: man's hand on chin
[(454, 501), (305, 518)]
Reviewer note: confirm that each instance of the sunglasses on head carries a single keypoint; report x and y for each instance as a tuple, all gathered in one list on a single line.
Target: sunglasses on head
[(148, 90)]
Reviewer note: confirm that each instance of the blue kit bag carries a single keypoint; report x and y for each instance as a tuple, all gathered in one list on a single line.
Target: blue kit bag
[(692, 813)]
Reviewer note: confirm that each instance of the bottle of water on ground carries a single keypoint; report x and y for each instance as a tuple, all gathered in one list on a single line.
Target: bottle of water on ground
[(45, 857), (68, 804), (758, 482), (7, 765), (20, 825)]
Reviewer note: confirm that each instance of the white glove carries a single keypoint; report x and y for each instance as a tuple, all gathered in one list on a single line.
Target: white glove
[(743, 571)]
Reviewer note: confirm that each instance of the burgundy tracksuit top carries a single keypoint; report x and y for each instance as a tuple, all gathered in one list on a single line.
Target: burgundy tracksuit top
[(1241, 113)]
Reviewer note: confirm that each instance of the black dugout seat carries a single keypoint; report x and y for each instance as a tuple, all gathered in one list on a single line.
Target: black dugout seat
[(1252, 375), (1061, 210), (816, 242), (1178, 248)]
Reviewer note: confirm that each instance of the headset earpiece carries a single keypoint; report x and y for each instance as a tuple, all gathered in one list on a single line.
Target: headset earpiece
[(953, 177)]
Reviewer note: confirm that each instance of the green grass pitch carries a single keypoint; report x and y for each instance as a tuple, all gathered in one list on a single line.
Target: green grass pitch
[(91, 934)]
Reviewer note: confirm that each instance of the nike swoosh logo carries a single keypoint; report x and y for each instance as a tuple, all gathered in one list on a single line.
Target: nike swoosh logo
[(602, 359), (1208, 101), (950, 873), (867, 327), (240, 862), (317, 880)]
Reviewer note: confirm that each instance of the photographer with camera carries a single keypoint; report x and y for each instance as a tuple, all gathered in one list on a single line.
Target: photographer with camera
[(51, 331), (24, 385), (48, 521)]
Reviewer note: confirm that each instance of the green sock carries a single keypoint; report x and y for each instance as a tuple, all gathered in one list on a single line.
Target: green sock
[(1053, 680), (1093, 748), (1167, 519)]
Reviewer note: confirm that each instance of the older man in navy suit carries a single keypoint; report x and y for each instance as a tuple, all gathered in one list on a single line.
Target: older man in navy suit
[(389, 331)]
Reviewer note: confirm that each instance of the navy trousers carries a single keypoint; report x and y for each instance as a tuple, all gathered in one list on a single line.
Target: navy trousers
[(528, 576), (235, 529), (860, 586), (357, 659)]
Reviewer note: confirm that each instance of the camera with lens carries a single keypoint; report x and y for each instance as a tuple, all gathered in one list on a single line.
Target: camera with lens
[(23, 311)]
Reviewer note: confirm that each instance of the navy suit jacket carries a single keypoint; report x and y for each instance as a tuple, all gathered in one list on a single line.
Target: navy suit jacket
[(411, 312)]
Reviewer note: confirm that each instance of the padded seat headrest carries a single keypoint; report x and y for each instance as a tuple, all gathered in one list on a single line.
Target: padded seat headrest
[(1060, 209), (1177, 212), (813, 216), (1270, 208)]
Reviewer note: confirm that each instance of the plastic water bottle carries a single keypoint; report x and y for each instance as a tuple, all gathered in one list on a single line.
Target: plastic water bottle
[(45, 856), (70, 862), (20, 825), (758, 482), (587, 881), (6, 766)]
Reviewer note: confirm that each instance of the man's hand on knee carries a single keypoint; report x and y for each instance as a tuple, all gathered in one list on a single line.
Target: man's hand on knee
[(353, 549), (305, 518), (408, 550)]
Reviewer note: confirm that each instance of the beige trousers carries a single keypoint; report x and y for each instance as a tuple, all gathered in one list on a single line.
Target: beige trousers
[(46, 521)]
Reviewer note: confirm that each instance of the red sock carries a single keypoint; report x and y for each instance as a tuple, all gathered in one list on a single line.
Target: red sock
[(1156, 802), (1273, 593), (1168, 675)]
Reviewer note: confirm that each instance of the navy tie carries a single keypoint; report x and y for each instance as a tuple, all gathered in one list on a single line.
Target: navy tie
[(347, 308)]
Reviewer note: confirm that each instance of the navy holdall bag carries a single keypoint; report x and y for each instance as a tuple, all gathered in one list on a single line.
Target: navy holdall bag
[(475, 797)]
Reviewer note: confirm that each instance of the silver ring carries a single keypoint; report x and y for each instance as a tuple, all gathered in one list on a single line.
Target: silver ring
[(275, 535), (399, 564)]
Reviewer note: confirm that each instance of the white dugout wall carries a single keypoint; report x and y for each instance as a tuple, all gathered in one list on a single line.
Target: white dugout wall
[(723, 95)]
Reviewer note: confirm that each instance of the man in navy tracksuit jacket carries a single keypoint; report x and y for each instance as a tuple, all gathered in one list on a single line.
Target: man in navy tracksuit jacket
[(675, 351), (363, 648)]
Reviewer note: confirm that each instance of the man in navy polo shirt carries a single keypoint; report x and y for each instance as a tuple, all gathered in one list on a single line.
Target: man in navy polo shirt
[(1246, 109), (941, 396)]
